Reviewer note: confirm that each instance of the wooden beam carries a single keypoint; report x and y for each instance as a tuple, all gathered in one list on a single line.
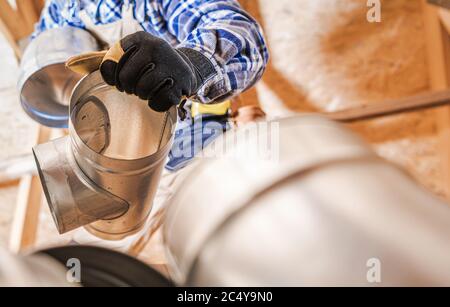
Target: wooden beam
[(438, 48), (26, 218), (11, 39), (39, 6), (17, 25), (392, 107), (13, 21), (28, 13)]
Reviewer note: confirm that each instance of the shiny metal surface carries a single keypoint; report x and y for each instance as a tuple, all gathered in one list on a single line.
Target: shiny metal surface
[(45, 84), (320, 216), (74, 199), (105, 173)]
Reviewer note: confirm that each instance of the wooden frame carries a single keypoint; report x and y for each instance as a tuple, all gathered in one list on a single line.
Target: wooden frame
[(18, 24), (430, 100), (438, 56), (437, 28), (26, 217)]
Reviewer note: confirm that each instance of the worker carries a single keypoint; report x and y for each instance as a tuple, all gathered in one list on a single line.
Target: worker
[(206, 50)]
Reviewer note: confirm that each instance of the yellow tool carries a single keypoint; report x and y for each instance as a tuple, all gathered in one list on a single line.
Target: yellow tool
[(219, 109)]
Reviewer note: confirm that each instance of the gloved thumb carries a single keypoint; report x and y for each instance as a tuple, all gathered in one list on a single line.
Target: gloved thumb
[(109, 63), (86, 63), (105, 60)]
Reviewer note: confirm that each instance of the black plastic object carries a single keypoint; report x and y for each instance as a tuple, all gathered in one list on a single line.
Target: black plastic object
[(106, 268)]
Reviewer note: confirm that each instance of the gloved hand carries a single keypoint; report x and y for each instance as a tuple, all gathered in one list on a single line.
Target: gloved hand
[(155, 71)]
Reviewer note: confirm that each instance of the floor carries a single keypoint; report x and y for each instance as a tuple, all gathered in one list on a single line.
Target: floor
[(324, 56), (16, 134)]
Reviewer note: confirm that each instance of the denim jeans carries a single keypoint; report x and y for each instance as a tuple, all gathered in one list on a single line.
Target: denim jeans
[(191, 136)]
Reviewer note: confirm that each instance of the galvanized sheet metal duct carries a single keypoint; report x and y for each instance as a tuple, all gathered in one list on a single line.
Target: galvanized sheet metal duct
[(105, 173), (323, 215), (45, 84)]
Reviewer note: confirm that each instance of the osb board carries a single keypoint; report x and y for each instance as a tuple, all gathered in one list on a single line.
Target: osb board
[(326, 56)]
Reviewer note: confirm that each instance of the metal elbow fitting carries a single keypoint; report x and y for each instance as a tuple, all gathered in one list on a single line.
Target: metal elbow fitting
[(105, 173), (45, 84)]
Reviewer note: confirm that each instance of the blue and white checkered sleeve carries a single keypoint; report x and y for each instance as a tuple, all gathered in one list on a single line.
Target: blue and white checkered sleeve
[(57, 13), (227, 35)]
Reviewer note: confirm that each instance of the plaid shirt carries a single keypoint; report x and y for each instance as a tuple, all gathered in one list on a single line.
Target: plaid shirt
[(220, 29)]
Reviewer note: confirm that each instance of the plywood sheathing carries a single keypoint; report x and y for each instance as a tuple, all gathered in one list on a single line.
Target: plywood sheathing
[(326, 56)]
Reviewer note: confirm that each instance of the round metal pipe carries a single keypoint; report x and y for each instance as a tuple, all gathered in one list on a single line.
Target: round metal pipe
[(125, 151), (105, 173), (45, 84), (327, 212)]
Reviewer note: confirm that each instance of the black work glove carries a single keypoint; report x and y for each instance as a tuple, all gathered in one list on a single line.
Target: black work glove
[(147, 66)]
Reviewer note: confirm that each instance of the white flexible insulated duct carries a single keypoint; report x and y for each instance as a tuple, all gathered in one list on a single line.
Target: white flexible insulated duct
[(329, 212)]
